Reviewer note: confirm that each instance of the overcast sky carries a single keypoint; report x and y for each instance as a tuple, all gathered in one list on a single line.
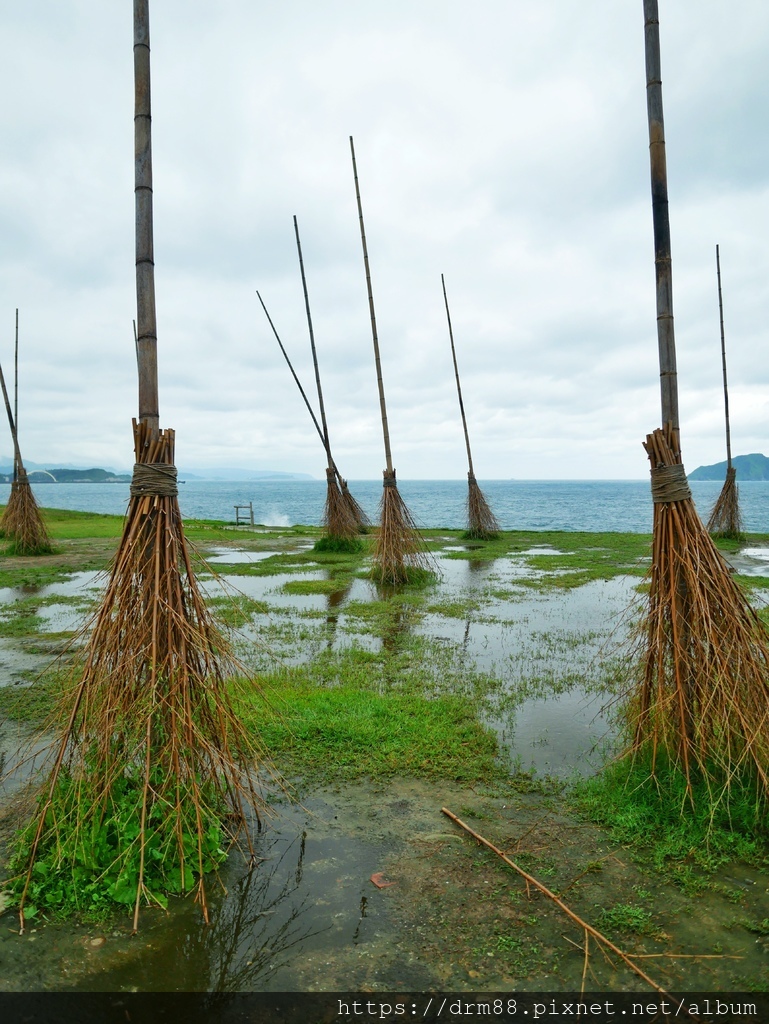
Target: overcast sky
[(503, 144)]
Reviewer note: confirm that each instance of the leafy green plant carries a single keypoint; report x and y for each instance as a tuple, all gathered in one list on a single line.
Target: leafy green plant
[(96, 865)]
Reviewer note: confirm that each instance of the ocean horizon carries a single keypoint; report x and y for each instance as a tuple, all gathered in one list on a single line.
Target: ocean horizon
[(570, 505)]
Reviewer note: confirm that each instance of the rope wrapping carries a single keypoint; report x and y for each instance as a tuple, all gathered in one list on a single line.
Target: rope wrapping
[(154, 478), (669, 484), (389, 479)]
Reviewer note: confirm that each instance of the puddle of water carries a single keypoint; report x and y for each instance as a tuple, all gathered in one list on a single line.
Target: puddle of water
[(307, 912), (750, 561), (236, 556), (544, 551)]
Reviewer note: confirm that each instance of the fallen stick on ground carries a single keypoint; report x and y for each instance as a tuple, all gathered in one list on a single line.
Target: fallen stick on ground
[(530, 879)]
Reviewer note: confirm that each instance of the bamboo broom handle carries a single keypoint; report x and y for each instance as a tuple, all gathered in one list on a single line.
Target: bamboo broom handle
[(301, 389), (326, 442), (661, 221), (723, 363), (380, 383), (16, 384), (11, 423), (456, 374), (147, 341)]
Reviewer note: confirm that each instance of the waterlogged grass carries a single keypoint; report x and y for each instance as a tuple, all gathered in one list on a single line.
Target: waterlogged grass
[(347, 732), (656, 817), (369, 681)]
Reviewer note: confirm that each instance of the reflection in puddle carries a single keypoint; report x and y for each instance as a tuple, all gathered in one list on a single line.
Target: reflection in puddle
[(304, 908)]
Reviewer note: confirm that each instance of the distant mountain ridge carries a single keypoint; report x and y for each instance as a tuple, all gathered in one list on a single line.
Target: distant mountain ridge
[(749, 467), (69, 473)]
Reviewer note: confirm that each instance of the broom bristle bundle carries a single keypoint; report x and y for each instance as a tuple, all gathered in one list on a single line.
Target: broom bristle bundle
[(704, 697), (151, 714), (725, 518), (482, 524), (400, 552), (356, 511), (22, 523), (338, 521)]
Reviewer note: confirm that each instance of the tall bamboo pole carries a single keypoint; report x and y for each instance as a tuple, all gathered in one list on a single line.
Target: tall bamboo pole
[(661, 221), (302, 392), (18, 465), (701, 705), (16, 388), (146, 342), (375, 336), (327, 443), (723, 363), (456, 374)]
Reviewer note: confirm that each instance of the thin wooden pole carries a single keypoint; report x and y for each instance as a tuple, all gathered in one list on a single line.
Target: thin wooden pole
[(661, 220), (531, 880), (456, 374), (16, 388), (723, 364), (147, 340), (302, 392), (380, 383), (326, 442), (18, 465)]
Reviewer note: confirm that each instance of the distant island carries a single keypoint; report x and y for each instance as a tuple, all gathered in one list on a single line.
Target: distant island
[(749, 467), (39, 474), (76, 476)]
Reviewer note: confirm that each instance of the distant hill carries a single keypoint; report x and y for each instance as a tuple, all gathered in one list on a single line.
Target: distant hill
[(749, 467), (76, 476)]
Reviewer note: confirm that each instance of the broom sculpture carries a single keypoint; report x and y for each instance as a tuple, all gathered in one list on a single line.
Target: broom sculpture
[(703, 701), (481, 522), (725, 519), (340, 482), (22, 523), (152, 774), (343, 517), (400, 549)]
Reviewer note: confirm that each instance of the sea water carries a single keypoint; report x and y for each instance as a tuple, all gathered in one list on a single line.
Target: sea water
[(583, 505)]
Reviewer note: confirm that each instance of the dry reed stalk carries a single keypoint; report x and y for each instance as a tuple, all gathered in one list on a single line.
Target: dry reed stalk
[(588, 930), (704, 697), (725, 518), (481, 522), (358, 514), (399, 551), (151, 710)]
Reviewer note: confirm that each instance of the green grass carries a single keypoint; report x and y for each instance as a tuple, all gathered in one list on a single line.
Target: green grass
[(625, 917), (655, 816), (345, 732)]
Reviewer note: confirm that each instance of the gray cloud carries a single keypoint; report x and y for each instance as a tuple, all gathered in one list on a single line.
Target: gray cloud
[(506, 149)]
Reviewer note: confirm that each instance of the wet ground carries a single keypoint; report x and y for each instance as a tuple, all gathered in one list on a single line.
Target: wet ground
[(370, 887), (373, 888)]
